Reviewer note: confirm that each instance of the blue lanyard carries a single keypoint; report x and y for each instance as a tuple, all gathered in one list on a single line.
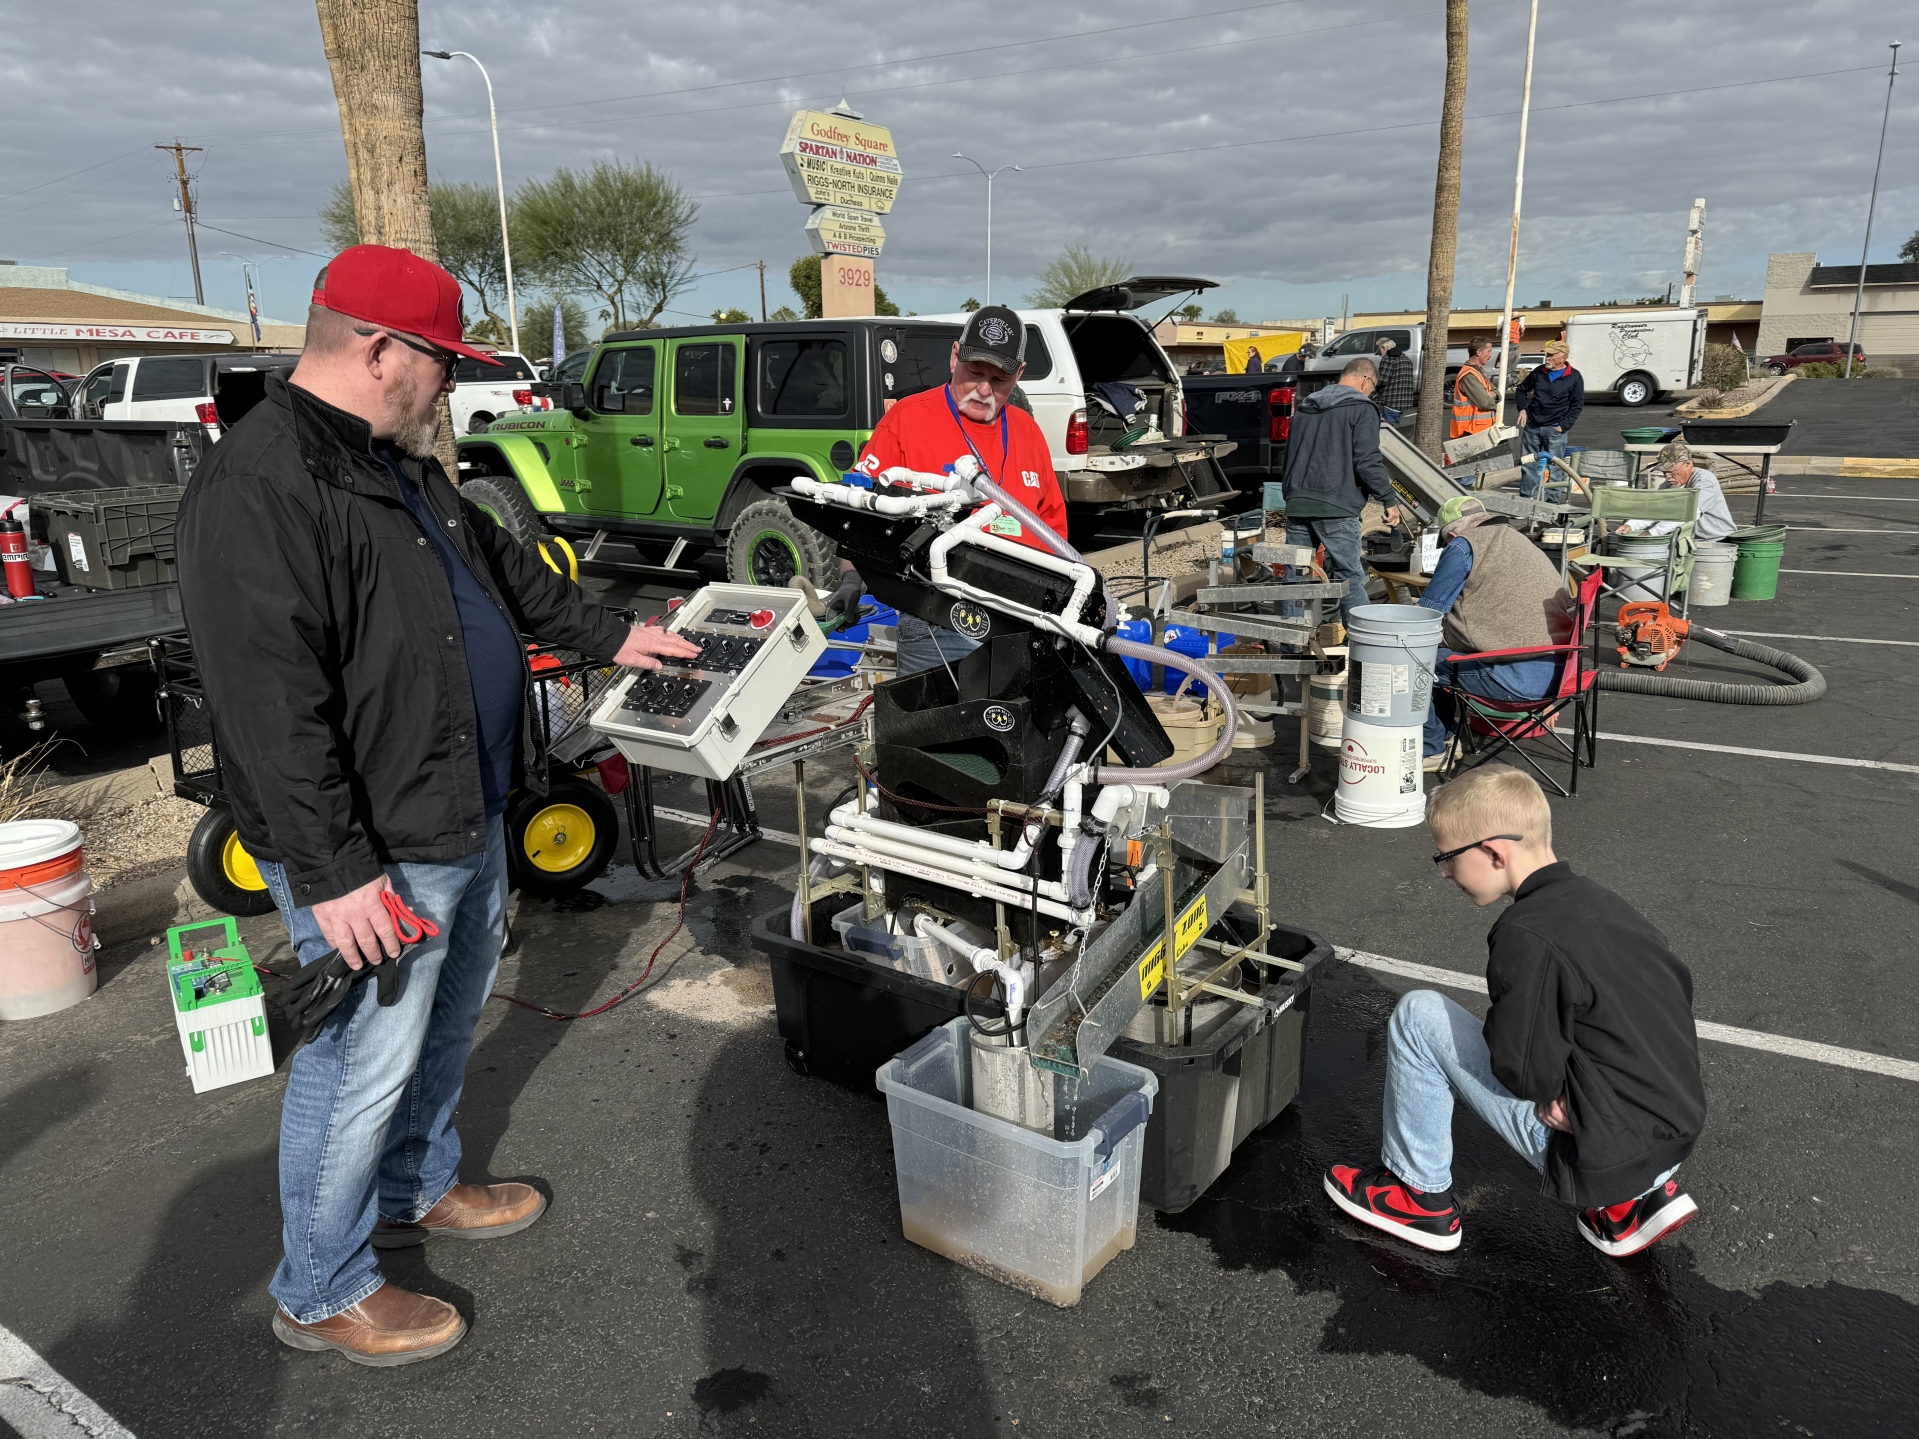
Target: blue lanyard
[(960, 420)]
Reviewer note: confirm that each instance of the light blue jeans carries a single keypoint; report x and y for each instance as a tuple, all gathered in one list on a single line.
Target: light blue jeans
[(923, 646), (1484, 678), (1435, 1049), (367, 1125)]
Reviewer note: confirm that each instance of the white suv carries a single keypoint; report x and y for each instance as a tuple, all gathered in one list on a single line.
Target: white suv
[(177, 387), (483, 392)]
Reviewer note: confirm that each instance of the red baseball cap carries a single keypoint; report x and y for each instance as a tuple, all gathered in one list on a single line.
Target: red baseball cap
[(397, 290)]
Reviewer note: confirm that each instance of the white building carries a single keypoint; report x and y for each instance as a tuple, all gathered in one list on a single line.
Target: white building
[(54, 322), (1807, 301)]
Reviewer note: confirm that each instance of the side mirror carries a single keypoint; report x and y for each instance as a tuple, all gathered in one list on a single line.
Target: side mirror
[(573, 397)]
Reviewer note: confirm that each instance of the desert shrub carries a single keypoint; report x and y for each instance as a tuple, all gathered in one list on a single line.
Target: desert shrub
[(1723, 368)]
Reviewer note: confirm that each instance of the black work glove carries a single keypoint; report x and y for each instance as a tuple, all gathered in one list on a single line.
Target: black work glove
[(845, 601), (317, 990)]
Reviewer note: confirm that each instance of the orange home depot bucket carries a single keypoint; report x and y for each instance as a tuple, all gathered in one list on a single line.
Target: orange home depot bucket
[(46, 918)]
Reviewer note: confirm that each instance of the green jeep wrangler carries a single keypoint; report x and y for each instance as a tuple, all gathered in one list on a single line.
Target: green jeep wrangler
[(684, 434)]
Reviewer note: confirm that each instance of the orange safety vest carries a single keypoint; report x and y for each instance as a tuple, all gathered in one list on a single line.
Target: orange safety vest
[(1468, 419)]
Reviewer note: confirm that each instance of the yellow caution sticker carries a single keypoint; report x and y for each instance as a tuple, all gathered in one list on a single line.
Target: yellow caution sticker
[(1190, 926), (1152, 969)]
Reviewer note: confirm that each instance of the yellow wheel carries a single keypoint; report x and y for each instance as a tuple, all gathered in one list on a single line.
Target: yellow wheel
[(221, 870), (562, 840), (239, 866)]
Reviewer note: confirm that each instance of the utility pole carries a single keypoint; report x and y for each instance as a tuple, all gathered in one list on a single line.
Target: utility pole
[(1859, 291), (1695, 242), (1507, 350), (762, 291), (180, 153)]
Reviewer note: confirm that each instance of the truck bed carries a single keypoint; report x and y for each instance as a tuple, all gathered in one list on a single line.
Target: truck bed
[(77, 621)]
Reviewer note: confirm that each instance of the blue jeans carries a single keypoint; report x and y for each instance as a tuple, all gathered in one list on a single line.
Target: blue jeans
[(1340, 535), (367, 1125), (1549, 438), (1490, 681), (925, 647), (1435, 1049)]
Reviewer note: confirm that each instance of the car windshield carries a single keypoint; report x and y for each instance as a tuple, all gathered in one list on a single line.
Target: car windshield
[(511, 370)]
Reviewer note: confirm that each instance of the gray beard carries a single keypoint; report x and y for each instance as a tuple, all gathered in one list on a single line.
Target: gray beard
[(411, 436)]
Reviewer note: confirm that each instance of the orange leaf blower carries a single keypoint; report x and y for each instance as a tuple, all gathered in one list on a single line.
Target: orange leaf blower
[(1649, 634)]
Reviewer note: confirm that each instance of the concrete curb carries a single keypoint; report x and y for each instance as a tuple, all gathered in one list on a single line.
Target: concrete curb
[(1862, 467)]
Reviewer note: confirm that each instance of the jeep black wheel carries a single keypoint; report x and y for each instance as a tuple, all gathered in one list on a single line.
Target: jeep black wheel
[(501, 500), (767, 546)]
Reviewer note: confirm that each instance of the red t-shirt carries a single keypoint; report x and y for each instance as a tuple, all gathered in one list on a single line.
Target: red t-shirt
[(921, 433)]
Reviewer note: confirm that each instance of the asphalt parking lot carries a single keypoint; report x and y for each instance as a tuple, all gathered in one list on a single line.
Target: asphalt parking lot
[(723, 1252)]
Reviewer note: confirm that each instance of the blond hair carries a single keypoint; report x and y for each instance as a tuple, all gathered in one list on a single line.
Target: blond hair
[(1493, 799)]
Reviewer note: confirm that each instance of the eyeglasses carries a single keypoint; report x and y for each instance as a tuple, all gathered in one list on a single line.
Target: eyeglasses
[(446, 359), (1476, 844)]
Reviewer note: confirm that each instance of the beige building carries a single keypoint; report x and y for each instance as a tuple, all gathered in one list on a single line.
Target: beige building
[(53, 322), (1807, 302)]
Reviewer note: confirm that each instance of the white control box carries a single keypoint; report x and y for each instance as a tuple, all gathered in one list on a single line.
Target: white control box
[(700, 716)]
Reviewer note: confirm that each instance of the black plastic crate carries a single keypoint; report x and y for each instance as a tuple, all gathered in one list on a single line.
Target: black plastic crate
[(842, 1017), (113, 539)]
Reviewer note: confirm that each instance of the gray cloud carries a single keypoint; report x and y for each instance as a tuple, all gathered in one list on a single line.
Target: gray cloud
[(1291, 221)]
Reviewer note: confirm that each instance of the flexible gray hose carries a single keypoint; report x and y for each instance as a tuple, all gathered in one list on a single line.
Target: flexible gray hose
[(1079, 877), (1168, 774), (1811, 684)]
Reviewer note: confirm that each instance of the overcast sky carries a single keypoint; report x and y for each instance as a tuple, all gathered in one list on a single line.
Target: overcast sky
[(1284, 149)]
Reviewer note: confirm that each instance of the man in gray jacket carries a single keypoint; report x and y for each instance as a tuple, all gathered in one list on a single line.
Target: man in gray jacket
[(1332, 466)]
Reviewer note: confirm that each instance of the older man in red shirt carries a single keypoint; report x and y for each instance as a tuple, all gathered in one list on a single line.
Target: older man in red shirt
[(973, 416)]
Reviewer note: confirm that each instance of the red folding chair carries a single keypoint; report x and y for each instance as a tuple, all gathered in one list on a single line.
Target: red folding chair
[(1488, 728)]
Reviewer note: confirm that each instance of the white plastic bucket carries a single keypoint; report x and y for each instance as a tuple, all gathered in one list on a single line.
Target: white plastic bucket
[(1389, 671), (46, 919), (1648, 583), (1381, 779), (1326, 704), (1712, 567)]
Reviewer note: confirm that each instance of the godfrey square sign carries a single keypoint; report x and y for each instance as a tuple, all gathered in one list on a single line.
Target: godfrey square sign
[(114, 334), (834, 159)]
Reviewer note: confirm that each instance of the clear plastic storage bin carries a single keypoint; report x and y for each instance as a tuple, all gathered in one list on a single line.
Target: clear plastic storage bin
[(1043, 1215)]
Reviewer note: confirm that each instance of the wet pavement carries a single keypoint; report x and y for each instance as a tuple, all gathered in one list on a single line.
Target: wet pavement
[(723, 1253)]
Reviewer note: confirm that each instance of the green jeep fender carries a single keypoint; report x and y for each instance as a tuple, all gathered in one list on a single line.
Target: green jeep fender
[(522, 461), (758, 474)]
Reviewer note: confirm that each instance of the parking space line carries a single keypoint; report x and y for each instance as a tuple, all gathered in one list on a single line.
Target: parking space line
[(1837, 759), (1814, 495), (1719, 1033), (40, 1404), (1852, 574), (1822, 639), (700, 821), (1835, 530)]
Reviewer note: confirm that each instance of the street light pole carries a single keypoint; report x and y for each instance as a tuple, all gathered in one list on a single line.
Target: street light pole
[(1859, 291), (499, 181), (1508, 352), (991, 175)]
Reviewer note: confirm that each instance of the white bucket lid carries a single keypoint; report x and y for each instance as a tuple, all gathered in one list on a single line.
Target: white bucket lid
[(34, 841)]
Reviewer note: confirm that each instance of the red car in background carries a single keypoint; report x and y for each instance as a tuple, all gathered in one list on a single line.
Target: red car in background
[(1821, 352)]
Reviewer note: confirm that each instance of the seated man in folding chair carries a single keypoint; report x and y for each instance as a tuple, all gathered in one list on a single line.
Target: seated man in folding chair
[(1673, 468), (1497, 591)]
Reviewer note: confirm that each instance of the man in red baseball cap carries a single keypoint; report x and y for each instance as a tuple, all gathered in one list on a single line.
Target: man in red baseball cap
[(361, 632)]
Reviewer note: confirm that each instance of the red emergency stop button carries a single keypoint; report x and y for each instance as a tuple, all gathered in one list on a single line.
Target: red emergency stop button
[(761, 619)]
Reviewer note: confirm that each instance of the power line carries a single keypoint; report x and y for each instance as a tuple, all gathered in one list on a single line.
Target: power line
[(270, 244)]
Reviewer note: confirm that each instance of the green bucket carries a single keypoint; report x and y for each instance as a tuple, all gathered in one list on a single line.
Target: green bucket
[(1756, 575)]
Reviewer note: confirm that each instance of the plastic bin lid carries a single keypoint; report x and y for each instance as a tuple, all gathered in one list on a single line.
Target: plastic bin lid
[(34, 841)]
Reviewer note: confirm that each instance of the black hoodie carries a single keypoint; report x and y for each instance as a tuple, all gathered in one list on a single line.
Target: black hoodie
[(1589, 1003)]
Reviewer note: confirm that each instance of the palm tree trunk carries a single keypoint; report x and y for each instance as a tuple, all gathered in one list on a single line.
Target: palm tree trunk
[(1435, 404)]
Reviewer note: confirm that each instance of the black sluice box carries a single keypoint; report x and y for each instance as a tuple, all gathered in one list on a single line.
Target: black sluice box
[(842, 1018)]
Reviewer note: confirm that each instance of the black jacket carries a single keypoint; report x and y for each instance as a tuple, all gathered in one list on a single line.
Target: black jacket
[(1551, 402), (332, 653), (1333, 452), (1589, 1002)]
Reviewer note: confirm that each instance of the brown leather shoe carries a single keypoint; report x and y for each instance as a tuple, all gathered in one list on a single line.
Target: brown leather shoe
[(469, 1211), (390, 1326)]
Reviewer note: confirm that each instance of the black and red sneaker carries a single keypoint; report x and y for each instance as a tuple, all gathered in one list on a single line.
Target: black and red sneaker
[(1622, 1229), (1378, 1197)]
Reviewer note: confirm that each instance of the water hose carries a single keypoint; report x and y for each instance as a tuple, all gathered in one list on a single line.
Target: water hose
[(1811, 684), (1199, 764)]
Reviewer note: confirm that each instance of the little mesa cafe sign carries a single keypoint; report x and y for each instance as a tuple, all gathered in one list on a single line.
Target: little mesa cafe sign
[(834, 160), (115, 334)]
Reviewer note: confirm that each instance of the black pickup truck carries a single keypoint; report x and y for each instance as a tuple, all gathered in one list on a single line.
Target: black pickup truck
[(1255, 411), (93, 640)]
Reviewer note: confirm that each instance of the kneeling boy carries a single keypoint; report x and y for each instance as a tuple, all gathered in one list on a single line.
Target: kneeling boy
[(1588, 1063)]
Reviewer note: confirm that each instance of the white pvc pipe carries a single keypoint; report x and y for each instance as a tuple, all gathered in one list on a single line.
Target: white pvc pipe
[(920, 854), (983, 959), (852, 497), (976, 850), (976, 886)]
